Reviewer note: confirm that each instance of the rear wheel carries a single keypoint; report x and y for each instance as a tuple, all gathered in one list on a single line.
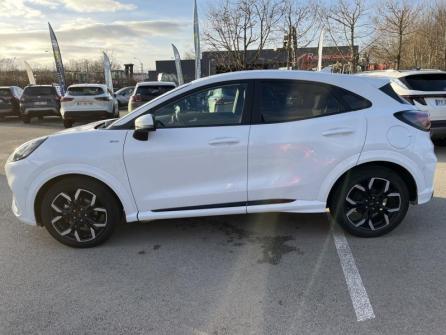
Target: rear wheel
[(439, 142), (370, 202), (80, 212), (68, 123)]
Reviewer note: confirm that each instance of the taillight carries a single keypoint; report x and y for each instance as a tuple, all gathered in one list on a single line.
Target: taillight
[(103, 98), (413, 99), (136, 98), (65, 99), (414, 118)]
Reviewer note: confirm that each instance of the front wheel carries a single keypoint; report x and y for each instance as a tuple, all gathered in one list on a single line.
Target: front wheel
[(80, 212), (370, 202)]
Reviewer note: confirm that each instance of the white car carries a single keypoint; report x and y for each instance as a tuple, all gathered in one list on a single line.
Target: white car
[(292, 141), (88, 102), (426, 90)]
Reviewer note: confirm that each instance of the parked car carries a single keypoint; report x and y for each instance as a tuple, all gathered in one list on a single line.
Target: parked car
[(40, 101), (88, 102), (123, 95), (292, 141), (10, 101), (148, 90), (426, 90)]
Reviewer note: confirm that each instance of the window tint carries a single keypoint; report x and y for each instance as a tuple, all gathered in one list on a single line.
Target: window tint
[(5, 92), (85, 91), (294, 100), (426, 82), (42, 90), (150, 92), (215, 106), (353, 101), (388, 89)]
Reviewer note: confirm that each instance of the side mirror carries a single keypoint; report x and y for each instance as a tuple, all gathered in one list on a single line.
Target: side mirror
[(143, 125)]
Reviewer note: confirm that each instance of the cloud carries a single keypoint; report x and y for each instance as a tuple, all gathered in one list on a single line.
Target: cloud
[(86, 6), (84, 38), (17, 8)]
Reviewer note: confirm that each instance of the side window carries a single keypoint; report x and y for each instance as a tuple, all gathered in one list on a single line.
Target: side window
[(354, 102), (216, 106), (287, 100)]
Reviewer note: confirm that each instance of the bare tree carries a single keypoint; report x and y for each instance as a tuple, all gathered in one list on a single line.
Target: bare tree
[(237, 26), (347, 21), (396, 20), (300, 25)]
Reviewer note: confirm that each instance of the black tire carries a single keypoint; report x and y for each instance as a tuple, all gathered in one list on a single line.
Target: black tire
[(67, 123), (26, 119), (72, 217), (370, 209)]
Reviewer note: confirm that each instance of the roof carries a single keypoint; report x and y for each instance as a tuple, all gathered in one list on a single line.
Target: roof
[(156, 83), (332, 78), (89, 85)]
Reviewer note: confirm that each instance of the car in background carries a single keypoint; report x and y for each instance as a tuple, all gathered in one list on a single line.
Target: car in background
[(10, 101), (147, 91), (88, 102), (123, 95), (424, 89), (285, 141), (40, 101)]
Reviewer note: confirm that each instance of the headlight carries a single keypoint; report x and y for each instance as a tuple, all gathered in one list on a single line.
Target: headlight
[(26, 149)]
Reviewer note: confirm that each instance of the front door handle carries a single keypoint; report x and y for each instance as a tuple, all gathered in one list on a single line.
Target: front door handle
[(224, 141), (338, 131)]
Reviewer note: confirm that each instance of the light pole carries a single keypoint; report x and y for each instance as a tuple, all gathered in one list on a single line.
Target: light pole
[(142, 65)]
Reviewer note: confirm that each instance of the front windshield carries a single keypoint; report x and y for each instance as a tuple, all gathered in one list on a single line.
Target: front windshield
[(143, 108)]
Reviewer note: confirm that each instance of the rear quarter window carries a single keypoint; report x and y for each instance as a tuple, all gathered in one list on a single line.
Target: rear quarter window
[(388, 89), (428, 82)]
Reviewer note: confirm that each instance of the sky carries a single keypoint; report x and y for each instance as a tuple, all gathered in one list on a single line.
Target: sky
[(126, 29)]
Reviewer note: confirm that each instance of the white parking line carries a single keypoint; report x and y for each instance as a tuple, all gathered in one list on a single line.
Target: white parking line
[(358, 294)]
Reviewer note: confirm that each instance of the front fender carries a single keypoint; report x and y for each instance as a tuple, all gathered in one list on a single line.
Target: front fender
[(121, 189)]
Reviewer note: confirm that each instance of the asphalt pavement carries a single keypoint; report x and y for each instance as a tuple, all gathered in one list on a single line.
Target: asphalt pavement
[(255, 274)]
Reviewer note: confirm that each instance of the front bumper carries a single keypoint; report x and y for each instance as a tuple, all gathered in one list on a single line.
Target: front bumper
[(19, 176)]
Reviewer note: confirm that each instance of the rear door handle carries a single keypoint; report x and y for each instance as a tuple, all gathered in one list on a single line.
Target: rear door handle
[(224, 141), (338, 131)]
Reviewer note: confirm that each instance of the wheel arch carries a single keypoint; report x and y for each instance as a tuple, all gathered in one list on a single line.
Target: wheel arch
[(45, 187), (400, 170)]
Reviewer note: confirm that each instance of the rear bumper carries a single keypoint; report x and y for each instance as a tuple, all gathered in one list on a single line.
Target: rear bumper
[(87, 115), (438, 129), (40, 111)]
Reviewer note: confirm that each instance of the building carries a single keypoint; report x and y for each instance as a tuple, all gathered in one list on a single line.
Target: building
[(215, 62)]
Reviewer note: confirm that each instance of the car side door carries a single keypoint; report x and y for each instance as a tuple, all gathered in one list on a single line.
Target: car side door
[(195, 162), (301, 132)]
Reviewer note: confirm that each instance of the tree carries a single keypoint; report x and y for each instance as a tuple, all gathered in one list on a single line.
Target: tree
[(347, 21), (237, 26), (396, 20), (300, 25)]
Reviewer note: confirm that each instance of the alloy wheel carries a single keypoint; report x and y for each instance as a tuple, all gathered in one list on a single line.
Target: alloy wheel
[(372, 204), (79, 216)]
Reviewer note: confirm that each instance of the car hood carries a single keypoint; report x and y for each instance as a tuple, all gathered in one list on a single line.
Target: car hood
[(87, 127)]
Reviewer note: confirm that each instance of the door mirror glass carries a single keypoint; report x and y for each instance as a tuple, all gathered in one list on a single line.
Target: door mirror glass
[(143, 125)]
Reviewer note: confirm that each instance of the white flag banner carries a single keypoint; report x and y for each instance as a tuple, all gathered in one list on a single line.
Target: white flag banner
[(178, 65), (29, 72), (107, 73), (197, 43), (321, 47)]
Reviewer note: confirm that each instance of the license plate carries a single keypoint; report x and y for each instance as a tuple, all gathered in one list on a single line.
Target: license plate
[(83, 103), (40, 103), (440, 102)]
